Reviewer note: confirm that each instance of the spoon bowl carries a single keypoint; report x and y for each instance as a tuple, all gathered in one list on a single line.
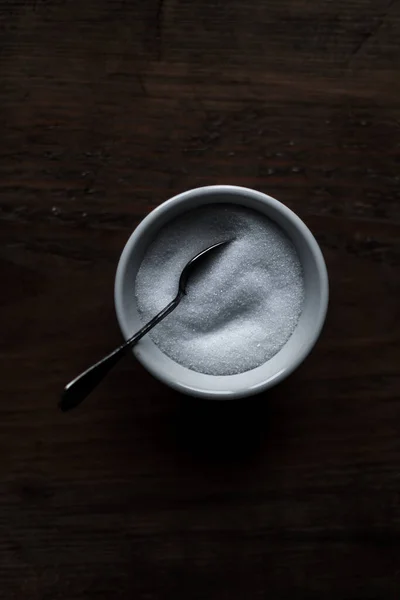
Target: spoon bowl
[(296, 349)]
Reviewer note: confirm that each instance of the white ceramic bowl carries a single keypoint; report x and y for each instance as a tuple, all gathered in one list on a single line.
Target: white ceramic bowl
[(296, 348)]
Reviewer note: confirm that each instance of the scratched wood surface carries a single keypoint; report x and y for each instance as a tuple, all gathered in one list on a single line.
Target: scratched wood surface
[(107, 108)]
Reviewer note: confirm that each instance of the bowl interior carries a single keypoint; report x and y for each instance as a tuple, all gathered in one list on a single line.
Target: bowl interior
[(290, 355)]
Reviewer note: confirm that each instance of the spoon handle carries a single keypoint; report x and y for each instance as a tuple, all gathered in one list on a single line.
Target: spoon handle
[(77, 389)]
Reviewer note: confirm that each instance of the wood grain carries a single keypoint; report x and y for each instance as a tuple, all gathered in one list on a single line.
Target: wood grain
[(107, 108)]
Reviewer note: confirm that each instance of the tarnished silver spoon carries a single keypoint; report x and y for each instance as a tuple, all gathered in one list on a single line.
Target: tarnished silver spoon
[(77, 389)]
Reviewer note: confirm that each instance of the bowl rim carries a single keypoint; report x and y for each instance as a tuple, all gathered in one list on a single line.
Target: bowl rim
[(204, 192)]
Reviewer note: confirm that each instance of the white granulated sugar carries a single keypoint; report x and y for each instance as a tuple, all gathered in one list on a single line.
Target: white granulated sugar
[(240, 308)]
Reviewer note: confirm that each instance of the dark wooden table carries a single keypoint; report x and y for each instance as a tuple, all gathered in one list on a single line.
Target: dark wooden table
[(107, 108)]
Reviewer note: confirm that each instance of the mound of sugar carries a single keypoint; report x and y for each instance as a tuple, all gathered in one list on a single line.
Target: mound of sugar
[(240, 308)]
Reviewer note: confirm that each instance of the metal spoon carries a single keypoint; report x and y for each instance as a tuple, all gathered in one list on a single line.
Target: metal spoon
[(77, 389)]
